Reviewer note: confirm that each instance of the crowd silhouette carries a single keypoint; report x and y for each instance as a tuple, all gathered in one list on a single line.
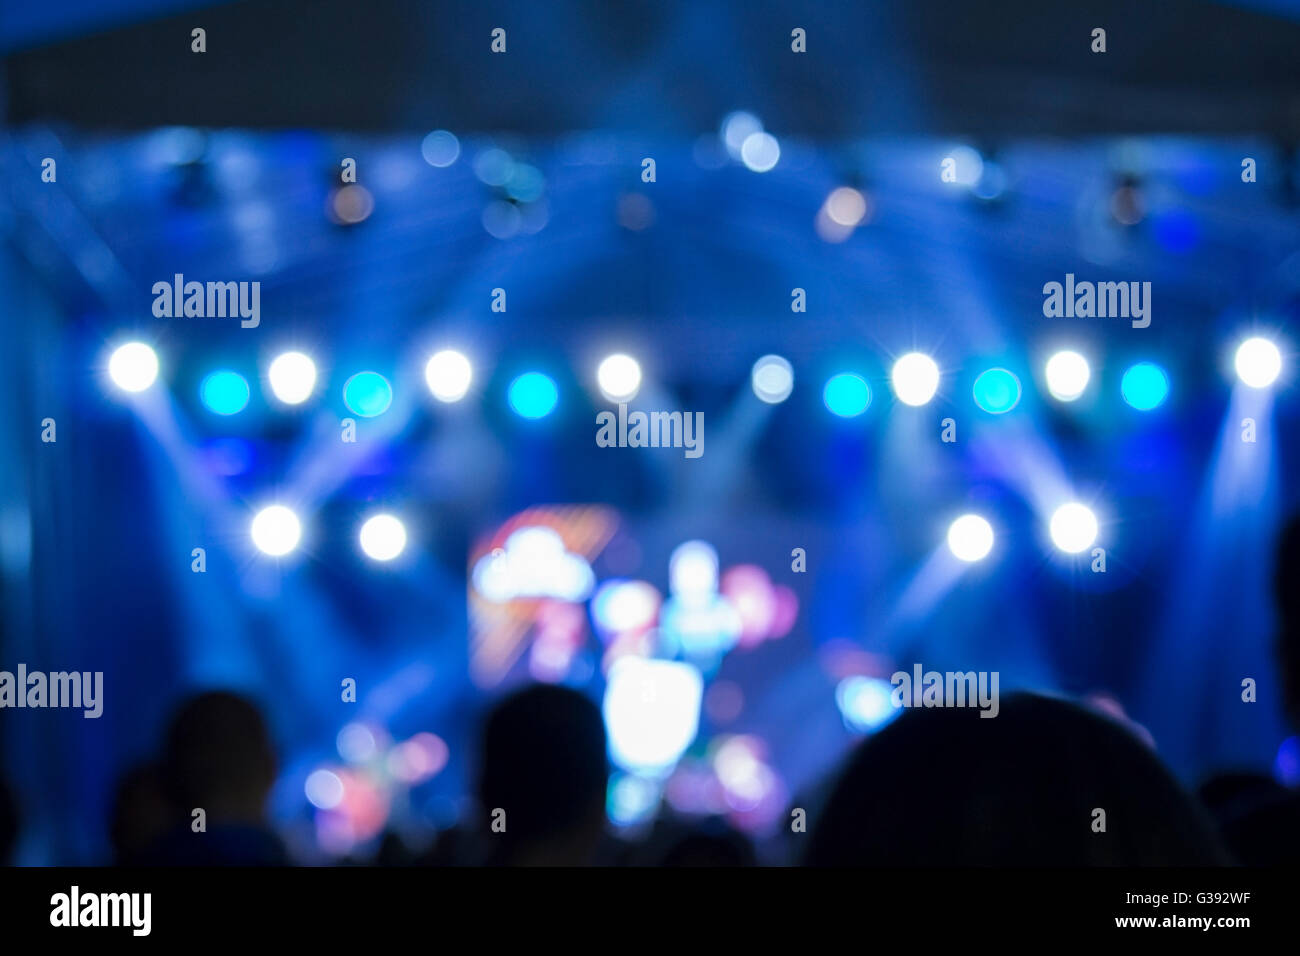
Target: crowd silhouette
[(1048, 782)]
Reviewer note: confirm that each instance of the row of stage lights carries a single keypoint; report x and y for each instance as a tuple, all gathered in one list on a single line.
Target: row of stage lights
[(133, 367), (277, 530)]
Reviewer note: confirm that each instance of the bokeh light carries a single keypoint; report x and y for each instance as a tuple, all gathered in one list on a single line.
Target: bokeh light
[(533, 395), (997, 391), (847, 395), (1067, 375), (915, 378), (619, 378), (367, 394), (448, 374), (293, 377), (276, 530), (133, 367), (1073, 527), (224, 392), (1145, 386), (1258, 362), (970, 538), (383, 537), (772, 379)]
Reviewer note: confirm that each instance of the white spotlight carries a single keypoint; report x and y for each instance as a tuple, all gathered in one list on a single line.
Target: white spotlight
[(276, 530), (915, 378), (1073, 527), (760, 152), (293, 377), (383, 537), (772, 379), (1067, 375), (970, 538), (846, 206), (448, 375), (619, 377), (1258, 362), (133, 367)]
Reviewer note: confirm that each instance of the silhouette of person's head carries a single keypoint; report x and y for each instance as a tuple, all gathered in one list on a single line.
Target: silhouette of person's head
[(710, 842), (1286, 593), (544, 764), (217, 754), (945, 786), (140, 813)]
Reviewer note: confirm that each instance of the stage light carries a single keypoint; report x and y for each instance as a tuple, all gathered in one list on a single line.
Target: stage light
[(736, 128), (631, 799), (997, 391), (448, 374), (693, 570), (351, 204), (915, 378), (619, 378), (534, 563), (865, 703), (1145, 386), (493, 166), (846, 206), (133, 367), (367, 394), (293, 377), (760, 152), (356, 743), (1258, 362), (324, 789), (970, 538), (749, 590), (533, 395), (619, 606), (772, 379), (652, 712), (1067, 375), (1073, 527), (440, 148), (846, 395), (276, 530), (383, 537), (224, 392)]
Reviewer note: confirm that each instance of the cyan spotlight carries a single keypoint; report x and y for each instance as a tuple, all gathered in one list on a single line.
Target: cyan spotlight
[(367, 394), (1145, 386), (997, 391), (847, 395), (224, 392), (533, 395)]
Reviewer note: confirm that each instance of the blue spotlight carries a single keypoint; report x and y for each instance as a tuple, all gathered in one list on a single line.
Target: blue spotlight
[(1145, 386), (533, 395), (224, 392), (367, 394), (847, 395), (997, 391)]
